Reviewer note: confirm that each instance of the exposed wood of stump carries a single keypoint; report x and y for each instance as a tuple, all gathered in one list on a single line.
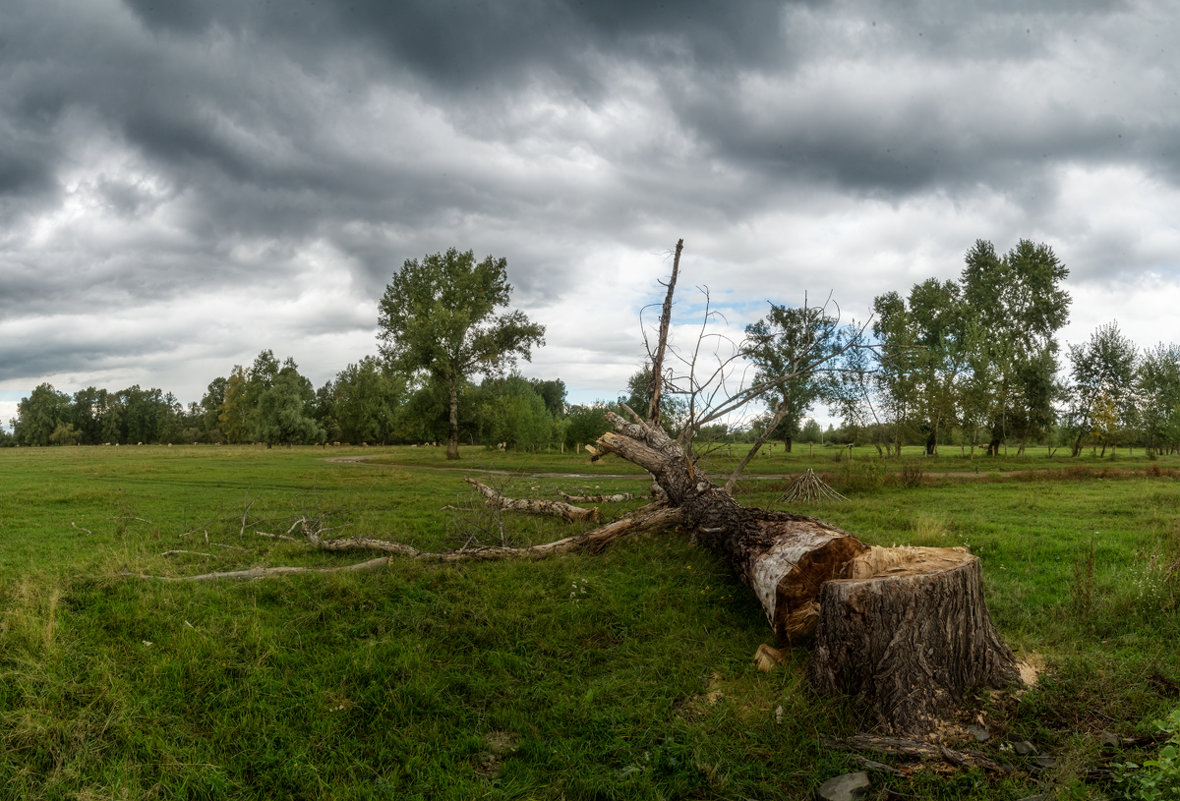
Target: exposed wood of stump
[(909, 631)]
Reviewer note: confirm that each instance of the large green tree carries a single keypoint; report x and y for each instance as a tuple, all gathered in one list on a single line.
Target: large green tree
[(1015, 307), (1103, 392), (445, 316), (40, 414), (363, 402), (791, 341), (285, 409), (1158, 389)]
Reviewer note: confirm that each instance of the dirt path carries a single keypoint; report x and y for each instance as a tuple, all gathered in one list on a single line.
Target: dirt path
[(936, 476)]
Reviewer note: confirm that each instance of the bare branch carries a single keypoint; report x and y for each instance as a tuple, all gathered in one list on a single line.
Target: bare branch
[(616, 498), (245, 513), (533, 506), (648, 518), (266, 572), (657, 364)]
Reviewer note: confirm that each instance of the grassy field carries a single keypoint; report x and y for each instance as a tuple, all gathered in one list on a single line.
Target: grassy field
[(622, 675)]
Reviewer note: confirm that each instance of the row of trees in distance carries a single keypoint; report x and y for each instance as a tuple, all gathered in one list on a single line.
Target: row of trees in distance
[(974, 361)]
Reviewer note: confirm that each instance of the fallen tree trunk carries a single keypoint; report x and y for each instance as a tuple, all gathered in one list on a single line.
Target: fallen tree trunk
[(907, 629)]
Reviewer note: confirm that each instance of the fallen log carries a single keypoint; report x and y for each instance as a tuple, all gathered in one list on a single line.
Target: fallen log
[(906, 629)]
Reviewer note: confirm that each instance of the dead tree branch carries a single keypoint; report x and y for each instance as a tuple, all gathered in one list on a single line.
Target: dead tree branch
[(657, 359), (618, 497), (533, 506), (905, 748), (649, 518)]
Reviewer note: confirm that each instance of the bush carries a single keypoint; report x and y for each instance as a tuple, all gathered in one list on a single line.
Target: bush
[(1158, 779)]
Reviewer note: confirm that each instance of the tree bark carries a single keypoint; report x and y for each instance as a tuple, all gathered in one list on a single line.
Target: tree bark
[(453, 429), (909, 631)]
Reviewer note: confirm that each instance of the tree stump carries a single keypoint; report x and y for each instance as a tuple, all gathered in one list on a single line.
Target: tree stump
[(909, 632)]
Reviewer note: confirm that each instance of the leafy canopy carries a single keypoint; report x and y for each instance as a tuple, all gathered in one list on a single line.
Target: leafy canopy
[(439, 316)]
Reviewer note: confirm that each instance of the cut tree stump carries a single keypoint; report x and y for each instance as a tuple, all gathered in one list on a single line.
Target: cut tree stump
[(909, 632)]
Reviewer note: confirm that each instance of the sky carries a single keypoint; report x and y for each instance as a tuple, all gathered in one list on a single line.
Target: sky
[(184, 183)]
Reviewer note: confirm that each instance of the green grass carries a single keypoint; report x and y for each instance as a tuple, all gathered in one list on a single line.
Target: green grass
[(626, 674)]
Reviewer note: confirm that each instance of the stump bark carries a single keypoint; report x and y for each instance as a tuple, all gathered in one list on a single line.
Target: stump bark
[(910, 633)]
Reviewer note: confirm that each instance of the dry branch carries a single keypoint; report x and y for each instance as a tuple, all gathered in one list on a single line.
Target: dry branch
[(905, 748), (657, 358), (648, 518), (616, 498), (533, 506), (266, 572)]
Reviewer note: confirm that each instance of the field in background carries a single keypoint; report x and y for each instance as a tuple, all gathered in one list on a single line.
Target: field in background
[(624, 675)]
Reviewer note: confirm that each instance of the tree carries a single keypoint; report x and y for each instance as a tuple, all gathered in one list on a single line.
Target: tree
[(441, 317), (673, 409), (285, 415), (233, 416), (900, 361), (938, 317), (40, 414), (585, 425), (1158, 386), (363, 402), (1103, 385), (509, 412), (1015, 306), (791, 340)]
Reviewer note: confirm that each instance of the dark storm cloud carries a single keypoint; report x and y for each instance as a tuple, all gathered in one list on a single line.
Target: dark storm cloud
[(273, 159)]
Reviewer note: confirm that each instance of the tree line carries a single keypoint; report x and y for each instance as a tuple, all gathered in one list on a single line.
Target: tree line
[(974, 361), (271, 402)]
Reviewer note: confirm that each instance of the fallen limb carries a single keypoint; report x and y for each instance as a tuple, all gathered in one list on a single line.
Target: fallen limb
[(646, 519), (906, 748), (179, 552), (616, 498), (533, 506), (266, 572)]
